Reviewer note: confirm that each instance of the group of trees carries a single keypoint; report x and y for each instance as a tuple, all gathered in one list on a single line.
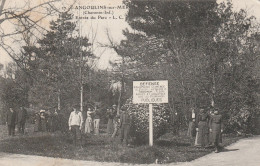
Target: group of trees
[(208, 53)]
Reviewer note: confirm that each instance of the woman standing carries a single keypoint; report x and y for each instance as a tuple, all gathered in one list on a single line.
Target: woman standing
[(110, 123), (211, 113), (191, 128), (202, 137), (88, 122), (43, 121)]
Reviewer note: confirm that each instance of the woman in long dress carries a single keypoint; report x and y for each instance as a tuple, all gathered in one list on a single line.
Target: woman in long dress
[(110, 123), (202, 137), (88, 122), (191, 128)]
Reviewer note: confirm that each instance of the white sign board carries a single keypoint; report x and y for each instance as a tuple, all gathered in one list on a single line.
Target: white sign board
[(150, 92)]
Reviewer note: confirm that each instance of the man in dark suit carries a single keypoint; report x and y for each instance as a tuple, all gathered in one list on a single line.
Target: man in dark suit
[(10, 121), (21, 119), (216, 127)]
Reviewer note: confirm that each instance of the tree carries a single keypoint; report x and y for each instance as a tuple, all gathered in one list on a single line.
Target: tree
[(59, 58), (202, 48), (17, 18)]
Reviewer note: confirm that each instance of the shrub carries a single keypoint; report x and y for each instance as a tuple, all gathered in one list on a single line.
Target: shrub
[(140, 120), (241, 121)]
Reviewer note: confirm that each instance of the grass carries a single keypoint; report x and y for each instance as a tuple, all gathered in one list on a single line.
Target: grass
[(169, 148)]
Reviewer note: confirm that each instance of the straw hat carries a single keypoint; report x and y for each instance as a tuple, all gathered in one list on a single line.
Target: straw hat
[(42, 111)]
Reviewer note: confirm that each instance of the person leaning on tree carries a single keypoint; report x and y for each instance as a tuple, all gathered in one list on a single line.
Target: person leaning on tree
[(75, 125), (11, 121), (216, 128)]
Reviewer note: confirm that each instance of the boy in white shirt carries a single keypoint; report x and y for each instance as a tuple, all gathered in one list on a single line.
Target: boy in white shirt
[(75, 125)]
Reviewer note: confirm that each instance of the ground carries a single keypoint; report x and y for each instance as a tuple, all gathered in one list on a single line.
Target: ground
[(244, 152), (169, 148)]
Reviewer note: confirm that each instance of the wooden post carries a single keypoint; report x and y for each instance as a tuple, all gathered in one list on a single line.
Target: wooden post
[(150, 124)]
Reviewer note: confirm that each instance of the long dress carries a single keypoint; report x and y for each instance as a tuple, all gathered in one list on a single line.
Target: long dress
[(88, 123), (43, 123), (110, 123), (191, 128), (210, 133), (203, 133), (216, 125)]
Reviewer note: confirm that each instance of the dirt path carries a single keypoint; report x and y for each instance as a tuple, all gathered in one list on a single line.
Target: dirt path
[(245, 152)]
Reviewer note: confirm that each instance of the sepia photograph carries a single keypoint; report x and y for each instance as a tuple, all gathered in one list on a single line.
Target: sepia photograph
[(129, 82)]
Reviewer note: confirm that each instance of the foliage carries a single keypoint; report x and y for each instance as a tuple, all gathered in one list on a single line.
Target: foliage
[(60, 62), (139, 114), (208, 56)]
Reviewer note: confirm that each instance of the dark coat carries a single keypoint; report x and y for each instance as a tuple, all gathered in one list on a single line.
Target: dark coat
[(216, 125), (21, 116), (11, 118)]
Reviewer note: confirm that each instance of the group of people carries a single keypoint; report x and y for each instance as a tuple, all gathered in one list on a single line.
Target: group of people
[(83, 122), (91, 120), (88, 123), (118, 123), (47, 121), (207, 128), (16, 117)]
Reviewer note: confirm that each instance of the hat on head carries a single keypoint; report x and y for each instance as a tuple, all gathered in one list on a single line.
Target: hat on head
[(123, 108), (41, 111)]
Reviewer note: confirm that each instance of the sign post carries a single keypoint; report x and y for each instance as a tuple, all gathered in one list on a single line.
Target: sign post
[(150, 124), (149, 92)]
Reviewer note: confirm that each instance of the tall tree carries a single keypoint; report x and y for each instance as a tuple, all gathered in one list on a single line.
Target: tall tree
[(196, 45), (59, 58)]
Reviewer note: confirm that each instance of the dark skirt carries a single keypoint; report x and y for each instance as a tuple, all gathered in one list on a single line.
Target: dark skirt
[(216, 133), (191, 129), (203, 134), (110, 126)]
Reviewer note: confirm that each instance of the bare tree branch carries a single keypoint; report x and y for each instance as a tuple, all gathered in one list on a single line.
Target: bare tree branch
[(2, 6)]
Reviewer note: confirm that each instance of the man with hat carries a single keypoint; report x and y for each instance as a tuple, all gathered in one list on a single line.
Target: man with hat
[(216, 127), (75, 125), (21, 119), (124, 125), (11, 121)]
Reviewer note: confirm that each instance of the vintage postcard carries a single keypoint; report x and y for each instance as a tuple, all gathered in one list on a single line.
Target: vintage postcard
[(129, 82)]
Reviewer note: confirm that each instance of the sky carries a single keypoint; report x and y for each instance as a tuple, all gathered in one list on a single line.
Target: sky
[(99, 26)]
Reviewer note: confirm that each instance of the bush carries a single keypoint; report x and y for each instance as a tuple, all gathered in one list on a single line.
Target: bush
[(140, 120), (241, 121)]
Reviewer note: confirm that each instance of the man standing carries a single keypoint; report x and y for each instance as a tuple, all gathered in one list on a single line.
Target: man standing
[(75, 125), (216, 127), (10, 121), (97, 115), (124, 125), (21, 119)]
